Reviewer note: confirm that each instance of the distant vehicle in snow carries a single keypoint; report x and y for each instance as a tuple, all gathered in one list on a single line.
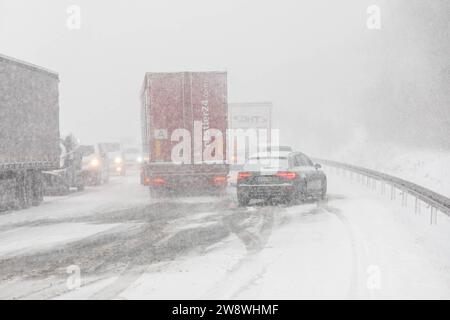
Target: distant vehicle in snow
[(29, 131), (95, 166), (69, 174), (132, 157), (125, 159), (116, 163), (250, 115), (285, 175)]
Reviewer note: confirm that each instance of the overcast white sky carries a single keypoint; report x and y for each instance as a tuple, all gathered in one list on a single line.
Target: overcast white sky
[(306, 57)]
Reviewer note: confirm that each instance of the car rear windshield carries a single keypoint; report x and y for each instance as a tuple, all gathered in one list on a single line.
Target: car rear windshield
[(257, 163)]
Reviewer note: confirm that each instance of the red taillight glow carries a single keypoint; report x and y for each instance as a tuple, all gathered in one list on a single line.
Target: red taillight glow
[(220, 179), (158, 181), (287, 175), (243, 175)]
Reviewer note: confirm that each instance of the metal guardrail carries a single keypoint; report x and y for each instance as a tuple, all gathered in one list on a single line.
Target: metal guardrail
[(435, 200)]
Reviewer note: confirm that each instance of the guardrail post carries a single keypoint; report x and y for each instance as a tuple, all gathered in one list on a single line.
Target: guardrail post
[(433, 215), (404, 198), (416, 206), (383, 187), (392, 192)]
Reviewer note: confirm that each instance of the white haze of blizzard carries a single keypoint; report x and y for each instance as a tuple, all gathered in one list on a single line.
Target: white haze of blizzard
[(306, 57), (427, 167)]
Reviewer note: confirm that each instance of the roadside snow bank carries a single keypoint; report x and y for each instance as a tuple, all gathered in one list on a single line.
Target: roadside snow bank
[(429, 168), (26, 239)]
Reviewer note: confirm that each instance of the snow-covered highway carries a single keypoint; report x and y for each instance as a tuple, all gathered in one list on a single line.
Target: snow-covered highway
[(357, 244)]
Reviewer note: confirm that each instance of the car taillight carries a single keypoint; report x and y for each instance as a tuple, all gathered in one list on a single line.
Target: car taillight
[(287, 175), (158, 181), (243, 175), (220, 179)]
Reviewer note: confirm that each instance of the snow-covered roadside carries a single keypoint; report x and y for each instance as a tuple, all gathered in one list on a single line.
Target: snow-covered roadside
[(38, 228), (427, 167), (411, 255), (26, 239), (120, 193)]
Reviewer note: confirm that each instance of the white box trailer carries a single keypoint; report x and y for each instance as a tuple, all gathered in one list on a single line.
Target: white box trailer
[(253, 117), (29, 131)]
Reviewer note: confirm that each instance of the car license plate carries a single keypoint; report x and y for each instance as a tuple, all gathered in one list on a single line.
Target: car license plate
[(264, 179)]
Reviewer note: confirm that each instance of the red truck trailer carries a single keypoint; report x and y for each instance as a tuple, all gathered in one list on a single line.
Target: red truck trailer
[(184, 119)]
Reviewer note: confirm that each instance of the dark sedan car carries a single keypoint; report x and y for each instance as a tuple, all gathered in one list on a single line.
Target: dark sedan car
[(286, 175)]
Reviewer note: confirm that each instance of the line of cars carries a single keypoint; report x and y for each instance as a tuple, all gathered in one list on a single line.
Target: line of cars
[(109, 159), (88, 165), (35, 161), (192, 137), (183, 115)]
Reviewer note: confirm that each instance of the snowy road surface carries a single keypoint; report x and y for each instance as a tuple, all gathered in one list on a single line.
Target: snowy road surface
[(358, 244)]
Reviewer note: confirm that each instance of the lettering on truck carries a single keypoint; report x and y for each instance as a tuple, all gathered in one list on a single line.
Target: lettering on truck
[(205, 113)]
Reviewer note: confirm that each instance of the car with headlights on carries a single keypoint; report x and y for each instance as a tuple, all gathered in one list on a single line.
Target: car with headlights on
[(116, 163), (133, 158), (286, 175), (95, 167)]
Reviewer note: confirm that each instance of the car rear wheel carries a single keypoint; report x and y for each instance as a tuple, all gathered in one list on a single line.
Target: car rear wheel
[(156, 193), (324, 190), (37, 188), (301, 194), (243, 200), (294, 198)]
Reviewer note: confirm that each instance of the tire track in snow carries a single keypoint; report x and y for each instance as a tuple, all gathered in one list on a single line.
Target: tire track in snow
[(168, 247), (354, 289), (254, 239)]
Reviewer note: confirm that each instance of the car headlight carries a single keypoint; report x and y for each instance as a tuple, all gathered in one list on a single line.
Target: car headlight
[(139, 160), (94, 162), (118, 160)]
